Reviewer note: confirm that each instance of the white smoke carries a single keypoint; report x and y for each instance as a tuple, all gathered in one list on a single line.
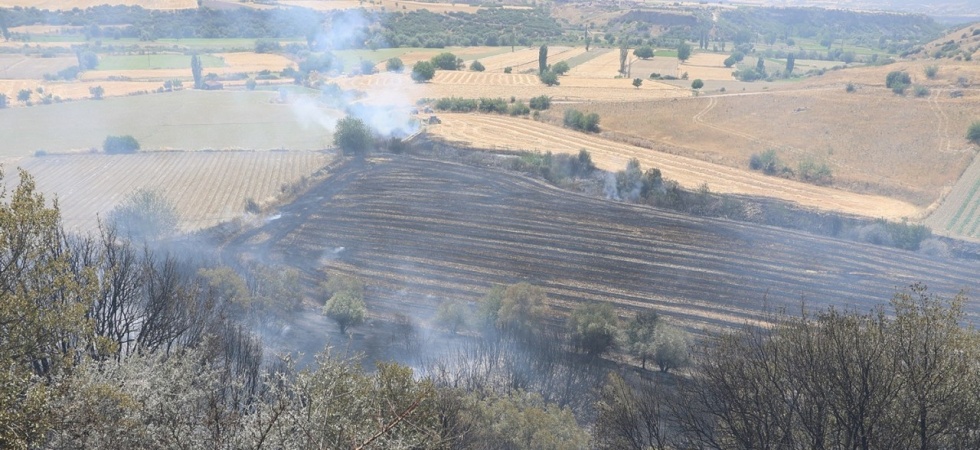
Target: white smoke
[(610, 188), (310, 114)]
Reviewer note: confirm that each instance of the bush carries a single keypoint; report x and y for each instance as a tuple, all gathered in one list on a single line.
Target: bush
[(921, 91), (973, 133), (697, 84), (548, 77), (508, 69), (492, 105), (896, 78), (477, 66), (250, 84), (767, 162), (367, 67), (352, 135), (583, 122), (447, 61), (561, 68), (899, 88), (519, 109), (541, 102), (423, 71), (850, 87), (120, 144), (645, 52), (593, 328), (394, 65), (454, 104), (931, 72), (267, 46), (145, 215)]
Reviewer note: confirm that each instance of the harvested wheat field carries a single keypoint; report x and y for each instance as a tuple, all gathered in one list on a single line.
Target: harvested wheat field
[(866, 138), (526, 59), (500, 132), (419, 231), (66, 5), (206, 187), (232, 63), (25, 67), (706, 66), (959, 213), (466, 53), (72, 90)]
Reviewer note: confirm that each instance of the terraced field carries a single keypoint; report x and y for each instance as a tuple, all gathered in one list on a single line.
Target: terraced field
[(420, 231), (206, 187), (959, 214), (500, 132)]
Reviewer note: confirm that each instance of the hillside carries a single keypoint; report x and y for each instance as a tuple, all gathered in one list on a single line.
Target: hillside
[(420, 231)]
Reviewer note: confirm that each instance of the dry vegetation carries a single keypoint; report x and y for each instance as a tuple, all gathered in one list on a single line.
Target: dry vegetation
[(420, 231), (82, 4), (206, 187), (499, 132)]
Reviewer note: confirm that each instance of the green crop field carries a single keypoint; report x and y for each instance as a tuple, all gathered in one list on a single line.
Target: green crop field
[(189, 120), (149, 62)]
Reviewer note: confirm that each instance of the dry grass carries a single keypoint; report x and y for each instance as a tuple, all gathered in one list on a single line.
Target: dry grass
[(239, 62), (72, 90), (14, 66), (867, 137), (706, 66), (206, 187), (526, 59), (65, 5), (490, 131)]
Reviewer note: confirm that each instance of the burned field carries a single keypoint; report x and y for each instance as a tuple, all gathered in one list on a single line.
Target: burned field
[(419, 231)]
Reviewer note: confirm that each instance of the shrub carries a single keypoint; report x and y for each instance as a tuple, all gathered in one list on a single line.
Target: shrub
[(367, 67), (120, 144), (583, 122), (899, 88), (267, 46), (519, 109), (897, 77), (447, 61), (145, 215), (492, 105), (548, 77), (394, 65), (540, 102), (645, 52), (561, 68), (250, 84), (850, 87), (423, 71), (697, 83), (931, 72), (454, 104), (477, 66), (508, 69), (973, 133), (921, 91), (352, 135), (767, 162)]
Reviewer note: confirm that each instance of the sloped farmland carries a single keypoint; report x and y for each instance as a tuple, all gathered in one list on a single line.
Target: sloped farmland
[(420, 231)]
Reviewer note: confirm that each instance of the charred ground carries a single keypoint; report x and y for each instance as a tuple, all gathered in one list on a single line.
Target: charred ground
[(420, 230)]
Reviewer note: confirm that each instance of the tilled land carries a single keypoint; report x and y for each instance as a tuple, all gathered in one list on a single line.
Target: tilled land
[(420, 231)]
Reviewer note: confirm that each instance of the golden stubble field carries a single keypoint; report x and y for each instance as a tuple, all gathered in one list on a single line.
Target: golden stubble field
[(206, 187), (66, 5), (501, 132)]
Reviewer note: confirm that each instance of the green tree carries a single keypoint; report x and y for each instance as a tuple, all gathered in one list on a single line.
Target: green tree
[(593, 328), (477, 66), (394, 65), (973, 133), (250, 84), (522, 308), (637, 82), (760, 67), (3, 101), (352, 135), (790, 64), (451, 315), (97, 92), (447, 61), (897, 77), (672, 347), (24, 95), (543, 60), (683, 51), (145, 215), (196, 71), (549, 78), (345, 305), (931, 71), (561, 68), (87, 60), (644, 52), (423, 71), (640, 336), (120, 144), (540, 102), (697, 84), (367, 67)]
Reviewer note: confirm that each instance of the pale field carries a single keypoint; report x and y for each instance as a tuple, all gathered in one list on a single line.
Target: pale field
[(706, 66), (72, 90), (239, 62), (467, 53), (526, 59), (66, 5), (388, 5), (501, 132), (206, 187), (13, 66), (483, 84), (959, 213), (867, 138), (606, 65)]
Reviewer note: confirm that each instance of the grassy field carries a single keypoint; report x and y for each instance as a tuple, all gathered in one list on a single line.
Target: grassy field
[(152, 62), (181, 120)]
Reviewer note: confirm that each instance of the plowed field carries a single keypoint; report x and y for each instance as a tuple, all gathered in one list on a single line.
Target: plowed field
[(420, 231), (489, 131), (206, 187)]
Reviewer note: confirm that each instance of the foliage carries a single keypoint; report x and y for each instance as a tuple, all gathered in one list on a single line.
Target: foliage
[(353, 135), (683, 51), (488, 26), (477, 66), (145, 215), (593, 328), (394, 65), (931, 71), (549, 78), (267, 46), (508, 69), (367, 67), (540, 103), (767, 162), (518, 109), (637, 82), (644, 52), (973, 133), (345, 304), (813, 172), (423, 71), (639, 339), (97, 92), (522, 308), (899, 88), (897, 77), (24, 95), (120, 144), (580, 121), (447, 61), (790, 64), (196, 71), (671, 347), (697, 84), (451, 315), (87, 60), (555, 168), (560, 68), (250, 84), (543, 60), (3, 101), (850, 88), (631, 415), (520, 420), (920, 91)]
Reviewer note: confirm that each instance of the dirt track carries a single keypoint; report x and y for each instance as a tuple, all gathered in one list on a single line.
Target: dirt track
[(421, 230)]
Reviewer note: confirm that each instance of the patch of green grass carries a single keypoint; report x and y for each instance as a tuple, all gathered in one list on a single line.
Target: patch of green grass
[(186, 120), (813, 44), (664, 53), (149, 62)]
